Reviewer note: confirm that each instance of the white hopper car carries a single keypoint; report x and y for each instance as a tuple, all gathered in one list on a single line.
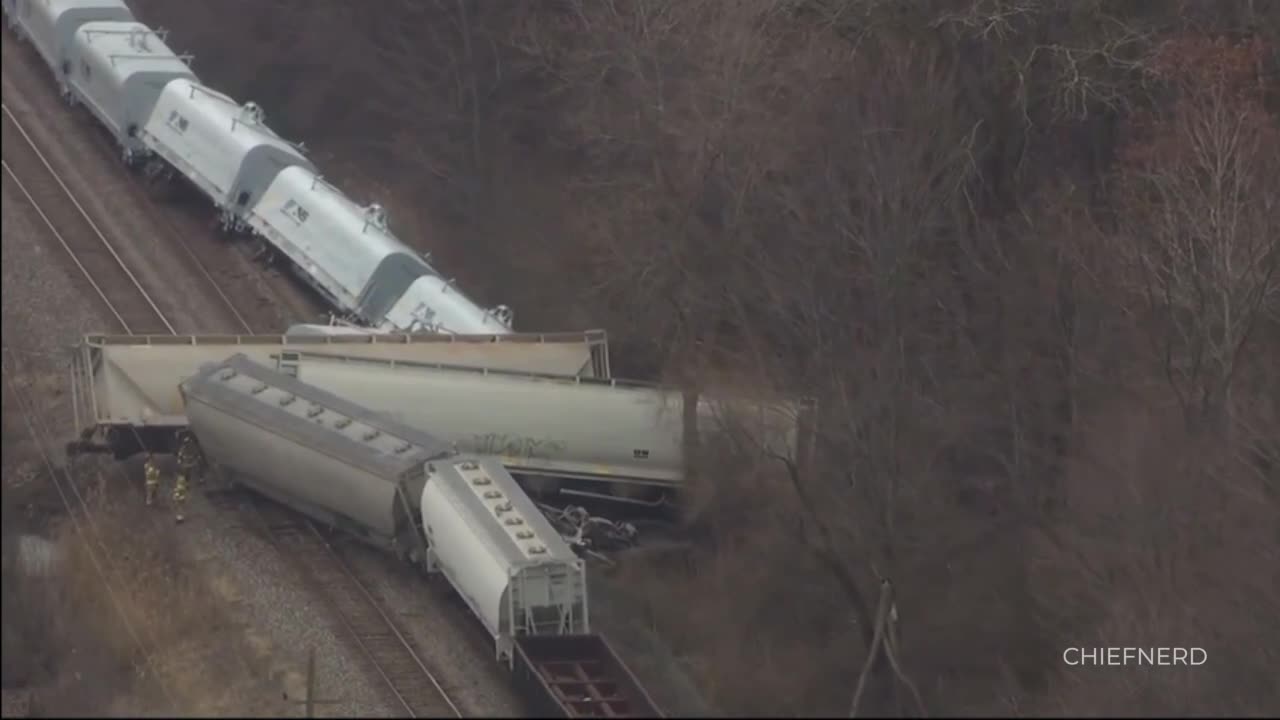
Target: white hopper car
[(349, 255), (222, 147), (51, 26), (394, 486), (125, 387), (158, 112), (118, 70), (608, 438)]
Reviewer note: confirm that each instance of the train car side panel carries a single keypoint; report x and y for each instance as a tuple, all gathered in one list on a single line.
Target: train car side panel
[(221, 146), (501, 554), (601, 432), (433, 303), (311, 449), (324, 234), (130, 383), (595, 430), (118, 71), (51, 25)]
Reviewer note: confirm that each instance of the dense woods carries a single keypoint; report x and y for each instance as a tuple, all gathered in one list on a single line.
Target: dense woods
[(1023, 252)]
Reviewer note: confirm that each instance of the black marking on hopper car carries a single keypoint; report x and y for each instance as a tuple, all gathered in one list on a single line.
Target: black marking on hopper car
[(177, 121), (295, 212), (517, 446)]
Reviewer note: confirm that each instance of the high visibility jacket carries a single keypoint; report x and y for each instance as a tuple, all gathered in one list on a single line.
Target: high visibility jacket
[(187, 455), (153, 473)]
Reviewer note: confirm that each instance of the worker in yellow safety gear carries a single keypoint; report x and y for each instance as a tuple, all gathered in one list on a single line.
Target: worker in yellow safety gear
[(189, 459), (152, 471), (179, 497)]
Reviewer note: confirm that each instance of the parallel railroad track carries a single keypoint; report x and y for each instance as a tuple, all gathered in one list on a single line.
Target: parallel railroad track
[(66, 219), (409, 681)]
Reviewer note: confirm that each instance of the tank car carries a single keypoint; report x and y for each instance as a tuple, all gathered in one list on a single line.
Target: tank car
[(225, 149), (608, 434), (500, 553), (350, 256), (118, 70), (51, 25)]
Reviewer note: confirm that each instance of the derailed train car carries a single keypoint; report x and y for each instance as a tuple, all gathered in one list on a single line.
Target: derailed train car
[(396, 487), (319, 454), (606, 438), (462, 516), (125, 387)]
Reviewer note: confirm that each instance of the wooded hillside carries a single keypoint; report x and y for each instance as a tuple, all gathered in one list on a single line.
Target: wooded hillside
[(1024, 252)]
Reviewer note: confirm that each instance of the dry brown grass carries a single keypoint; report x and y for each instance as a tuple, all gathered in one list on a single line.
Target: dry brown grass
[(158, 640)]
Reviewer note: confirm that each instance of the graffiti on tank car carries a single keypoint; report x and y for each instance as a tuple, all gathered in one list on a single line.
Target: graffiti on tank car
[(516, 446)]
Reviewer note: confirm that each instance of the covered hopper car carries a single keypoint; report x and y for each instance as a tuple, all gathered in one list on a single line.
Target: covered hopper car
[(50, 26), (117, 71), (608, 438), (349, 255), (393, 486), (125, 387)]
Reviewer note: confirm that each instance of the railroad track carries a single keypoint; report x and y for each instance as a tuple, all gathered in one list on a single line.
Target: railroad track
[(410, 683), (99, 263)]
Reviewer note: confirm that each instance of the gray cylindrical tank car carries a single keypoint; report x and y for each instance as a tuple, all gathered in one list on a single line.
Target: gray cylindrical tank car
[(313, 451)]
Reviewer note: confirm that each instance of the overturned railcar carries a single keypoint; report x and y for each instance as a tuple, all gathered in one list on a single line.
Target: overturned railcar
[(125, 387), (607, 438), (396, 487)]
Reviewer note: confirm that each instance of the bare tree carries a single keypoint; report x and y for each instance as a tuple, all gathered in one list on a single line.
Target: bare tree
[(1198, 218)]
